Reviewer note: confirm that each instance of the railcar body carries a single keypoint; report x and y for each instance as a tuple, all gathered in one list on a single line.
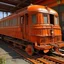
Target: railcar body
[(36, 24)]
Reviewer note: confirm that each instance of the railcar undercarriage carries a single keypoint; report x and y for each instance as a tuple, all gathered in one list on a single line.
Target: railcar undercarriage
[(31, 48)]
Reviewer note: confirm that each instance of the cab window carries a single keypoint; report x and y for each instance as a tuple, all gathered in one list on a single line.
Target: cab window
[(45, 18), (51, 19), (34, 19), (56, 20)]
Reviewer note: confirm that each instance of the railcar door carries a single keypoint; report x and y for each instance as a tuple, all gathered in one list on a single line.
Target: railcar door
[(26, 27), (22, 25)]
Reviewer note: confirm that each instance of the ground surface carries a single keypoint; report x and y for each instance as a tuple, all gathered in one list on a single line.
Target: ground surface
[(9, 55)]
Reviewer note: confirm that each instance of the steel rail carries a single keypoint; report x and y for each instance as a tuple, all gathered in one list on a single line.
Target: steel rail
[(54, 59)]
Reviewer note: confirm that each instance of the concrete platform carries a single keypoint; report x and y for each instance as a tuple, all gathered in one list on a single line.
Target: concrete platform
[(10, 56)]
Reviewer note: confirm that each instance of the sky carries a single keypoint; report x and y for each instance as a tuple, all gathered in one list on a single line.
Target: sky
[(1, 14)]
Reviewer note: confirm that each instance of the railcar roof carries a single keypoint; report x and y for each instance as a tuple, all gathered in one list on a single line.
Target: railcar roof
[(36, 8), (40, 8)]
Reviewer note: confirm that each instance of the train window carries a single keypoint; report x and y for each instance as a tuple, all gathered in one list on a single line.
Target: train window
[(4, 24), (7, 23), (1, 24), (56, 20), (21, 19), (34, 19), (51, 19), (45, 18), (10, 23), (14, 22)]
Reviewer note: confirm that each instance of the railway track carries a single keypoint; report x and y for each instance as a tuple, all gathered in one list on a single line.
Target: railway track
[(56, 59), (33, 59), (40, 59)]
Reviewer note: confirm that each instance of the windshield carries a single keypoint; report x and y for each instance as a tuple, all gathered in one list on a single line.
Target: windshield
[(45, 18)]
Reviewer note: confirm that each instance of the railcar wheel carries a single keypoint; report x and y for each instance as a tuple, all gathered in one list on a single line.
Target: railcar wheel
[(29, 49)]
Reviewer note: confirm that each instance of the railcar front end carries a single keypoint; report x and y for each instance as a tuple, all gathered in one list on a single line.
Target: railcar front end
[(45, 29)]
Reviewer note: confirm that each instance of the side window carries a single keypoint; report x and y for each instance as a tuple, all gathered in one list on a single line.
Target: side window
[(10, 22), (4, 24), (45, 18), (13, 22), (1, 24), (34, 19), (21, 19)]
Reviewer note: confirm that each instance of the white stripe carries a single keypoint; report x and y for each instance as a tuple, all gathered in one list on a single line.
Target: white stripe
[(42, 10)]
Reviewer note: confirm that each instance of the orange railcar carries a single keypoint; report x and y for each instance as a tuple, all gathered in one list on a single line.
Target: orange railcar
[(37, 25)]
